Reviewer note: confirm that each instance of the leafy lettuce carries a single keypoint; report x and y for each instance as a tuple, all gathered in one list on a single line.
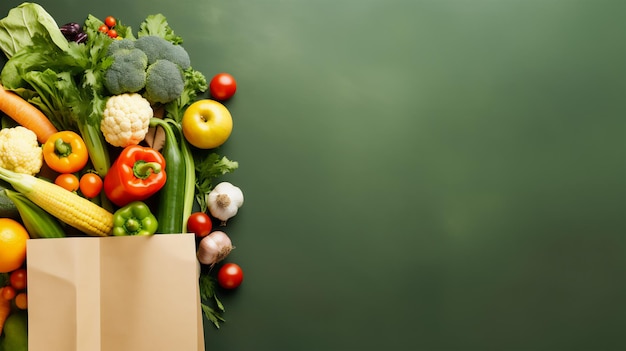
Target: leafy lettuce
[(25, 21)]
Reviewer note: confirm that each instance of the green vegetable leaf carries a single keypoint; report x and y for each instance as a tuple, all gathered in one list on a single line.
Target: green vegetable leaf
[(21, 24), (207, 295), (212, 315), (195, 83), (208, 168), (4, 279), (157, 25), (92, 23), (207, 286), (7, 122), (67, 84), (36, 57), (54, 92)]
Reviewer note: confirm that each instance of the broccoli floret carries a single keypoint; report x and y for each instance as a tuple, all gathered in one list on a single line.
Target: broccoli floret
[(119, 45), (179, 56), (164, 82), (151, 63), (157, 48), (127, 73)]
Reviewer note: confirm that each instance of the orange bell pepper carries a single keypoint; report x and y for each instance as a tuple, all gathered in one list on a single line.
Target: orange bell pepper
[(65, 152)]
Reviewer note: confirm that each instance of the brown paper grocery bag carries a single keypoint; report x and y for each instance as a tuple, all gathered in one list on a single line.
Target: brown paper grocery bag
[(114, 294)]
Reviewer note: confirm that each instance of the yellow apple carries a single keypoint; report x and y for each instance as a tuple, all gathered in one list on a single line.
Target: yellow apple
[(207, 124)]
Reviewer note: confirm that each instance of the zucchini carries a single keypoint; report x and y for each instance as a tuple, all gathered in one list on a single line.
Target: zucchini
[(7, 207), (172, 195)]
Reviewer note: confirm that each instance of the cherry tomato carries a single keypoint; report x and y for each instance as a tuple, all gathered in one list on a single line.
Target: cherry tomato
[(8, 292), (230, 276), (222, 86), (90, 185), (200, 224), (103, 28), (18, 279), (21, 301), (67, 181), (110, 21), (112, 33)]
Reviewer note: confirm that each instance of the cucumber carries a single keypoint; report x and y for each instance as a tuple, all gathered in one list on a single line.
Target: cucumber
[(7, 207)]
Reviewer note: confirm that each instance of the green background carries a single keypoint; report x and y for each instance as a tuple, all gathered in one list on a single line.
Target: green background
[(419, 175)]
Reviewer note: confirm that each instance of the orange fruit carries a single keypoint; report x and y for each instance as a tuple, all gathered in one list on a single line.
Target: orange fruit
[(13, 237)]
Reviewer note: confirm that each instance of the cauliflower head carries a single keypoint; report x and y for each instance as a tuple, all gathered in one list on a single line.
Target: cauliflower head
[(126, 119), (20, 151)]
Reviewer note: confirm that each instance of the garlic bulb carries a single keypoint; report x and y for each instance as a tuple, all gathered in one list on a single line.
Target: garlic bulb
[(214, 247), (224, 201)]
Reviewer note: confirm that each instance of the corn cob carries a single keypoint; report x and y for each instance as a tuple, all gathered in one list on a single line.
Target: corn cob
[(67, 206)]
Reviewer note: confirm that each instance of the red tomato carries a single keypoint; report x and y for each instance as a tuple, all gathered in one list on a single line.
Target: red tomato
[(112, 33), (8, 292), (90, 185), (110, 21), (18, 279), (222, 86), (230, 276), (200, 224), (67, 181), (103, 28)]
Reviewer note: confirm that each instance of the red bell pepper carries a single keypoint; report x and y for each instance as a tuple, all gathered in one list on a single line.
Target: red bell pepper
[(137, 173)]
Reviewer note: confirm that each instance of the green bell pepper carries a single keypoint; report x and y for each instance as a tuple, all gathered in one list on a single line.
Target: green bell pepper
[(134, 219)]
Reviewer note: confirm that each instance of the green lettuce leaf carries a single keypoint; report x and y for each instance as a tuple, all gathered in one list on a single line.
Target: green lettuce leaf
[(157, 25), (4, 279), (22, 23)]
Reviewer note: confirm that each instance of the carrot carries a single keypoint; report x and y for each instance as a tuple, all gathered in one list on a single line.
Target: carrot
[(26, 114), (5, 310)]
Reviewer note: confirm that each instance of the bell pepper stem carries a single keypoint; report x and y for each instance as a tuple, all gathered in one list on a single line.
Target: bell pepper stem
[(132, 225), (143, 169), (61, 148), (134, 219)]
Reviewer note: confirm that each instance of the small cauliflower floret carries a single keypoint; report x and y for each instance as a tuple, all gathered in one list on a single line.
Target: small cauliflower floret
[(126, 119), (19, 150)]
